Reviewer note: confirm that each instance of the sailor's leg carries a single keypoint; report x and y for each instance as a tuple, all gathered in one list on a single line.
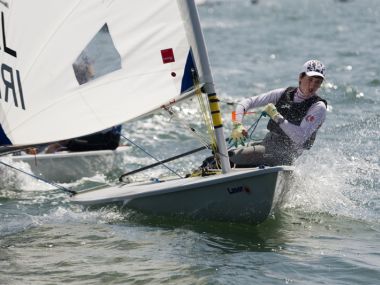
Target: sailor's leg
[(278, 151), (248, 156), (270, 152)]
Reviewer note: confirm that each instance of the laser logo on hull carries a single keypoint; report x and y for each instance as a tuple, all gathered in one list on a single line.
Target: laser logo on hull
[(238, 189)]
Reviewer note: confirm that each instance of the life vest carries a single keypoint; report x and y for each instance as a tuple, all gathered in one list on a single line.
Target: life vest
[(294, 113)]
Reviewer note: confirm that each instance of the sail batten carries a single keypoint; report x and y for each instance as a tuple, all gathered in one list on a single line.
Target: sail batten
[(84, 66)]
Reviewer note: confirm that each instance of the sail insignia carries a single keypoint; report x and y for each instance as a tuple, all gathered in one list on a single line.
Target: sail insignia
[(167, 55)]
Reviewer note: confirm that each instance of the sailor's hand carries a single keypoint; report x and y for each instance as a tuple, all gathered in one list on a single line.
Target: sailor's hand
[(272, 112), (238, 134), (31, 150)]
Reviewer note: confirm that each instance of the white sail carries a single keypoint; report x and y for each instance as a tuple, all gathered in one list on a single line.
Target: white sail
[(46, 43)]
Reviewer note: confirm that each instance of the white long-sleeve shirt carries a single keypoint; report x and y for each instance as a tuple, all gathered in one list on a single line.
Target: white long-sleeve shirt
[(314, 118)]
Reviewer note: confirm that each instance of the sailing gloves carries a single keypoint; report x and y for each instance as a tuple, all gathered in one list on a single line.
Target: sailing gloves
[(238, 134), (271, 111)]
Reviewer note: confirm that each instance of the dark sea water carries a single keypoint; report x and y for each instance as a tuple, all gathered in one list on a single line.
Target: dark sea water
[(326, 232)]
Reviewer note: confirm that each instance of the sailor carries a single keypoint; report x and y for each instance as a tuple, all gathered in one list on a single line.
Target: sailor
[(108, 139), (296, 114)]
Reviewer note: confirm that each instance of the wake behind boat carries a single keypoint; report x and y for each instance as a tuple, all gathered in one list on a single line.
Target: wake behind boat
[(153, 56)]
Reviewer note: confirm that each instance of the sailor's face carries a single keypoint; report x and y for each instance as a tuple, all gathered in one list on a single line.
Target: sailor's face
[(309, 85)]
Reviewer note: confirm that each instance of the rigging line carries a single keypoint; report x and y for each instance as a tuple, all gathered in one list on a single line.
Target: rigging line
[(162, 161), (254, 125), (204, 110), (156, 159), (203, 140), (206, 117), (60, 187)]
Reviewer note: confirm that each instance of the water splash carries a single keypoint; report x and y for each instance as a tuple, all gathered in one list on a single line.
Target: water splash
[(341, 177), (13, 179)]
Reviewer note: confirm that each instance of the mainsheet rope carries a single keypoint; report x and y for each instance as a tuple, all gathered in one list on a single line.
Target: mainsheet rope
[(146, 152)]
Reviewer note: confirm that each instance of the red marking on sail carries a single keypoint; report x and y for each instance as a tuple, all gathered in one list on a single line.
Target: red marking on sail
[(167, 55)]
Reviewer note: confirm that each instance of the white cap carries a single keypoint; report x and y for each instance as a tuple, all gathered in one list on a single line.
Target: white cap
[(314, 68)]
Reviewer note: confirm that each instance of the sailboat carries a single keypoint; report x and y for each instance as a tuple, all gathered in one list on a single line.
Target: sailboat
[(153, 56), (67, 167)]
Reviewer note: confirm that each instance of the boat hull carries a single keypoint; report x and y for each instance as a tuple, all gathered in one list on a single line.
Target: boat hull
[(242, 195), (65, 167)]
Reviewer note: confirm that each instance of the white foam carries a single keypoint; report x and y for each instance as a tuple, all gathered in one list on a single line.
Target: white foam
[(324, 183)]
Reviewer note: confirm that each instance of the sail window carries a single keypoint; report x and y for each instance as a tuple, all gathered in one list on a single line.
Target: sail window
[(98, 58)]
